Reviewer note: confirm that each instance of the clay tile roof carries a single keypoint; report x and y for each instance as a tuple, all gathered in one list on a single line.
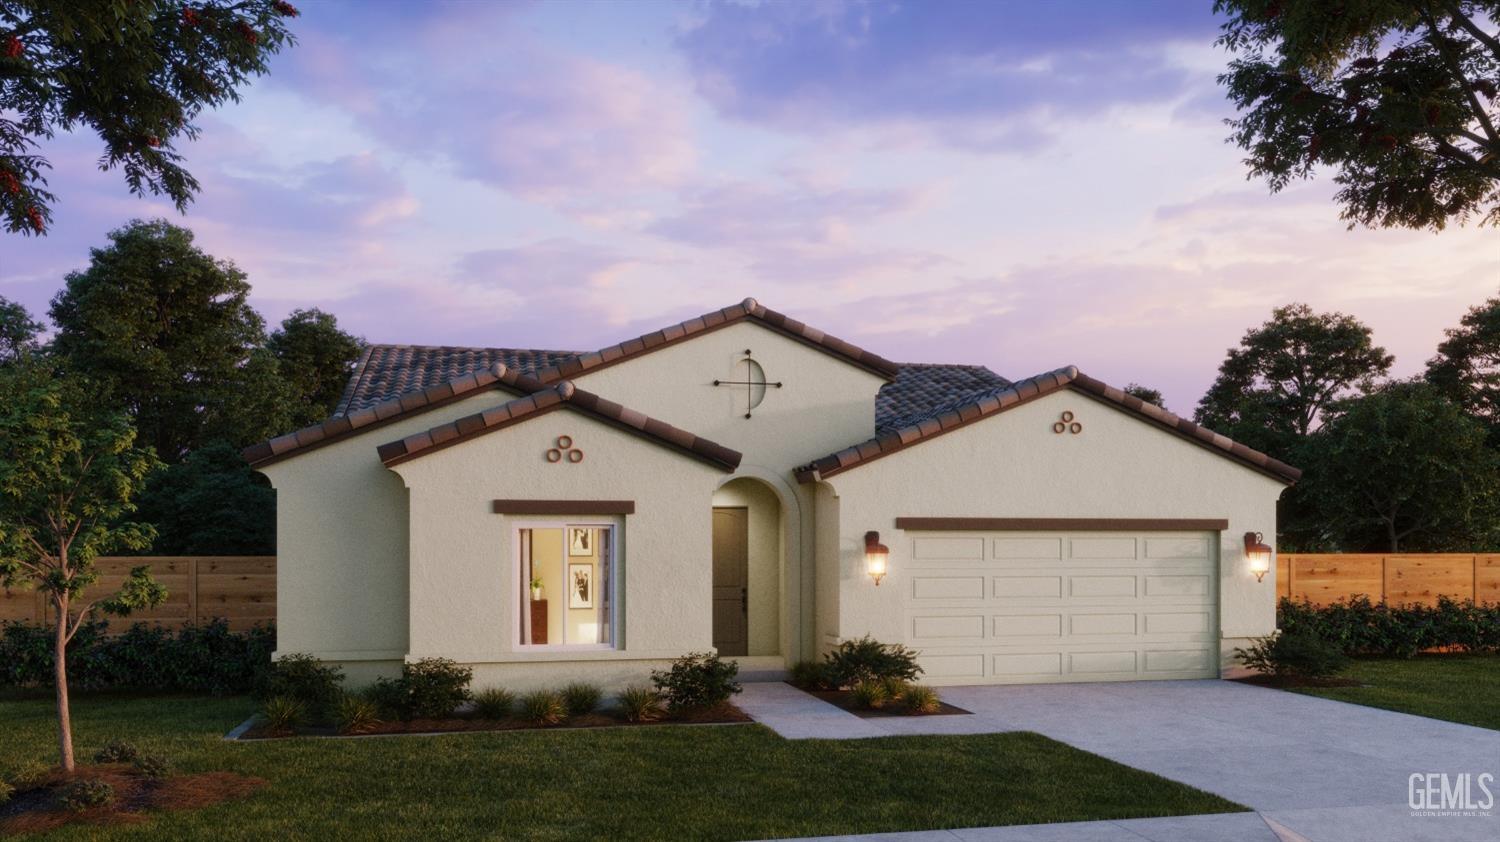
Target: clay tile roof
[(388, 371), (923, 391), (969, 409), (546, 400)]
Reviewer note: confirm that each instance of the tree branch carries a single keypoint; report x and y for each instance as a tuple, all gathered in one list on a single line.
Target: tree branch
[(1467, 23), (1435, 35)]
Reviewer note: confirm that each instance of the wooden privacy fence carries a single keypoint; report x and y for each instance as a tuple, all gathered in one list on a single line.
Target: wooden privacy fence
[(240, 589), (1399, 579)]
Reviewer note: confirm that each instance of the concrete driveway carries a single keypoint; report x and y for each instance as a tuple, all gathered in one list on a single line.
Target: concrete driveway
[(1314, 769)]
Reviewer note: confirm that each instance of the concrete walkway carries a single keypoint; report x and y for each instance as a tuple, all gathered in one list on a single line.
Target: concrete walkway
[(1313, 769)]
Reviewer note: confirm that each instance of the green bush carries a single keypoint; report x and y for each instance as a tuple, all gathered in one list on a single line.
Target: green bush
[(920, 699), (697, 681), (1294, 652), (867, 659), (494, 703), (85, 793), (207, 658), (582, 698), (356, 714), (117, 751), (809, 675), (1361, 627), (869, 695), (283, 713), (308, 680), (27, 774), (544, 708), (431, 688), (640, 704), (153, 766)]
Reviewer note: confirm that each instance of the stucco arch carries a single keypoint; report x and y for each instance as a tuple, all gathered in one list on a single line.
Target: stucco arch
[(796, 585)]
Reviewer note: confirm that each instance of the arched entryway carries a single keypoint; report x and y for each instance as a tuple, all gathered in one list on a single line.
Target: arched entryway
[(749, 536)]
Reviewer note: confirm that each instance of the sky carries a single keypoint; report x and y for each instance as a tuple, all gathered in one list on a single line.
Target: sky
[(1014, 184)]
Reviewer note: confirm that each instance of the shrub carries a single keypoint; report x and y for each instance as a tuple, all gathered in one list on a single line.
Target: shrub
[(28, 774), (920, 699), (85, 793), (153, 766), (544, 707), (308, 680), (1361, 627), (207, 658), (582, 698), (809, 675), (431, 688), (866, 659), (869, 695), (6, 791), (1294, 652), (283, 713), (356, 714), (494, 703), (895, 688), (696, 681), (640, 704), (117, 751)]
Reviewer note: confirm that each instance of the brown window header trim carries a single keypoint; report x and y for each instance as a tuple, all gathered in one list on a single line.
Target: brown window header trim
[(564, 507), (1048, 524)]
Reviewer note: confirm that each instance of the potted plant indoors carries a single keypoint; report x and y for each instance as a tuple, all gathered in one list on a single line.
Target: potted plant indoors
[(536, 589)]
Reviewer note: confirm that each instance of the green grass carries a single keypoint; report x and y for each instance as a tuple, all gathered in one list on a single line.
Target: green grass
[(1458, 688), (707, 782)]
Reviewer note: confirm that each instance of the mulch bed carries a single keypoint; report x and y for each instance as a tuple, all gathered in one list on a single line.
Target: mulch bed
[(36, 810), (1281, 682), (723, 714), (843, 699)]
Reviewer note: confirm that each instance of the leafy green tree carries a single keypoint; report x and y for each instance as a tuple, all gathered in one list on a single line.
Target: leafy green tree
[(69, 473), (18, 332), (315, 357), (1400, 98), (211, 503), (1274, 388), (168, 330), (138, 74), (1467, 365), (1400, 469), (1147, 394)]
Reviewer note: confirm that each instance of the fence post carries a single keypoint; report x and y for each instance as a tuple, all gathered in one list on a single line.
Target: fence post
[(192, 591)]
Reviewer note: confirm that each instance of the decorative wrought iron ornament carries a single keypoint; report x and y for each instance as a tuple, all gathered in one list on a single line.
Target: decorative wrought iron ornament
[(755, 383)]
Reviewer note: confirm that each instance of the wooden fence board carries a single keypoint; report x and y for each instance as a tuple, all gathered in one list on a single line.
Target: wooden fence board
[(1487, 578), (1417, 578), (1323, 579), (238, 589)]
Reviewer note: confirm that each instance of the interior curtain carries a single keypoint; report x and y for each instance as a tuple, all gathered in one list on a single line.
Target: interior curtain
[(604, 587), (527, 575)]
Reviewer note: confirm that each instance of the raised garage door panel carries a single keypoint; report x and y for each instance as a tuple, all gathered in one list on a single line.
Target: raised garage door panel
[(1012, 607)]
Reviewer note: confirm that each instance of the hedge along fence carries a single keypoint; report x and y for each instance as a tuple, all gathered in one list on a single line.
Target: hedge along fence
[(238, 589), (1395, 579)]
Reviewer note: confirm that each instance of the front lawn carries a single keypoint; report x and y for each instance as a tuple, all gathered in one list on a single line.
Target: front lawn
[(1458, 688), (692, 782)]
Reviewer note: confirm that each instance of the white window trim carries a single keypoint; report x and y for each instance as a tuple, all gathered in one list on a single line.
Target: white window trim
[(524, 586)]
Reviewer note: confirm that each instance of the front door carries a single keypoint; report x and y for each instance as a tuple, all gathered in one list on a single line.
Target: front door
[(731, 580)]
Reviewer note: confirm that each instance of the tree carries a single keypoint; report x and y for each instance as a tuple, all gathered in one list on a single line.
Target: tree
[(1467, 365), (68, 474), (1147, 394), (315, 357), (1399, 98), (1401, 469), (211, 503), (18, 332), (1273, 389), (138, 74), (167, 330)]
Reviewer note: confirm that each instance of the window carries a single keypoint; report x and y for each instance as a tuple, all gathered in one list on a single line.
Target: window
[(567, 580)]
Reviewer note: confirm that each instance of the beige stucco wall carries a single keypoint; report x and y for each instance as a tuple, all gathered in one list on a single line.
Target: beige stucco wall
[(464, 597), (341, 541), (1013, 465), (766, 541)]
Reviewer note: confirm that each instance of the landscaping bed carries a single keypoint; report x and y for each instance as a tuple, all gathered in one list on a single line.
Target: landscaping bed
[(846, 699), (720, 714), (114, 793)]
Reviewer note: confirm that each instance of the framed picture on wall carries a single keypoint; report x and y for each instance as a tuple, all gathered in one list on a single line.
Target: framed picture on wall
[(580, 540), (580, 586)]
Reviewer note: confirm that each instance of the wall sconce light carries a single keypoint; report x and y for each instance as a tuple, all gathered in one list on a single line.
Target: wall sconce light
[(1258, 554), (876, 555)]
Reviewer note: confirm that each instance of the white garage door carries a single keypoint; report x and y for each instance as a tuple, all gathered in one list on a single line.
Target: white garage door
[(1011, 607)]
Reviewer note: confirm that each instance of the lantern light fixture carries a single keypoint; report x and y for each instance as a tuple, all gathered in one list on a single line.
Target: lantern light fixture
[(876, 556), (1258, 554)]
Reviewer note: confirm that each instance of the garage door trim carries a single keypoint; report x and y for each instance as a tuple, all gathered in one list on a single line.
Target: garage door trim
[(1054, 524)]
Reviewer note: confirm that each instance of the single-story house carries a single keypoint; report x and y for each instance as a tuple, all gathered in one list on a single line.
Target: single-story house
[(747, 483)]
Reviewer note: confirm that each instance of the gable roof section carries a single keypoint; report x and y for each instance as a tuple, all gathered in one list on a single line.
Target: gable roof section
[(386, 371), (975, 408), (548, 400), (922, 390), (747, 310)]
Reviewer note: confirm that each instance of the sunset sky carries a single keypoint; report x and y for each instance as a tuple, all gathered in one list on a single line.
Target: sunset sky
[(1021, 185)]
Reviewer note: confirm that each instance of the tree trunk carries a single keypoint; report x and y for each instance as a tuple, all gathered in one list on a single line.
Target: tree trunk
[(1390, 530), (60, 676)]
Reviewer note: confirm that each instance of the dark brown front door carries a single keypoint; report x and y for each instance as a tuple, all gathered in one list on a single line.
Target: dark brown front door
[(731, 580)]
